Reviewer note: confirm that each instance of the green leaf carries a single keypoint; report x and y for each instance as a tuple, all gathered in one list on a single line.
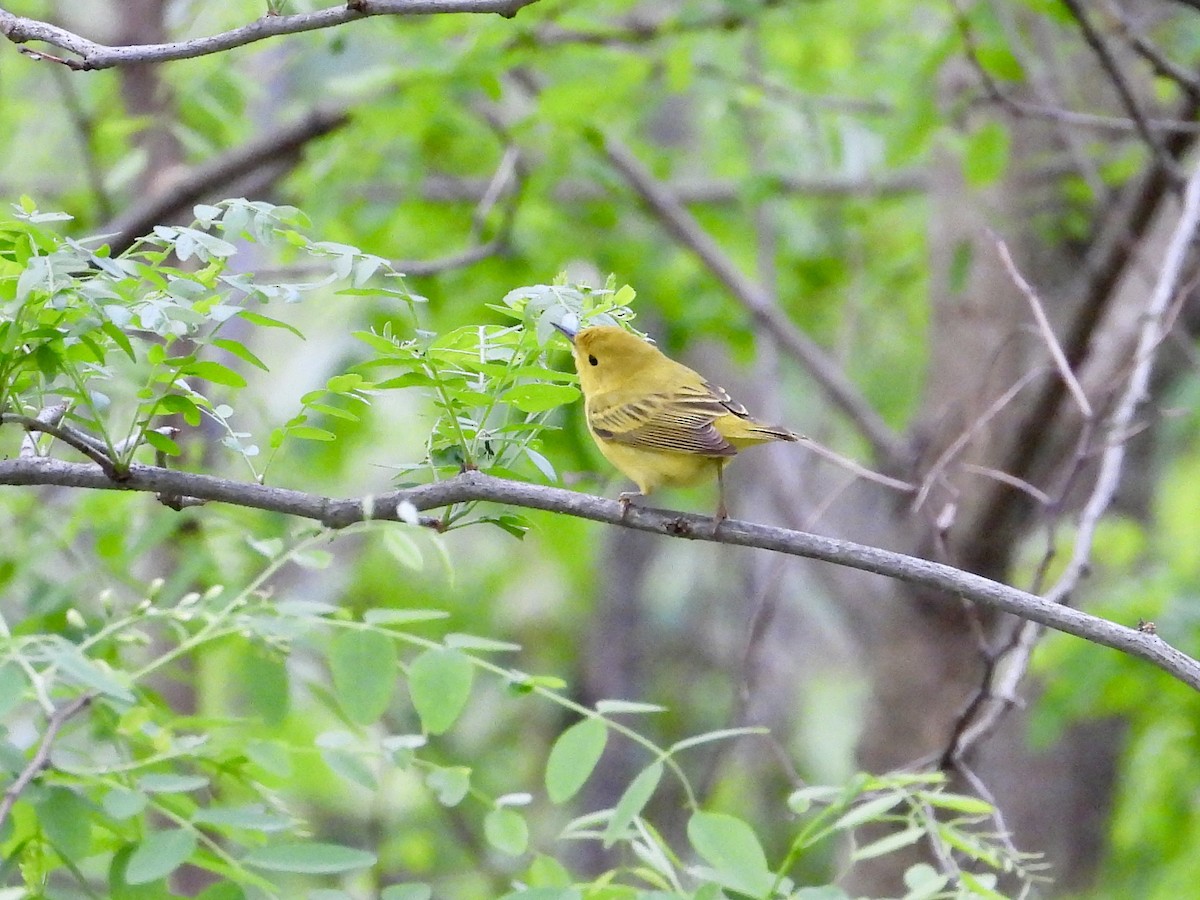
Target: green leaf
[(309, 859), (403, 616), (439, 682), (267, 322), (121, 803), (573, 758), (171, 783), (722, 734), (309, 433), (12, 688), (184, 406), (615, 707), (162, 443), (1000, 62), (986, 155), (461, 641), (67, 822), (266, 684), (732, 848), (632, 802), (341, 384), (364, 666), (506, 830), (239, 350), (546, 871), (90, 674), (406, 892), (450, 783), (868, 811), (889, 844), (957, 802), (536, 398), (252, 817), (160, 854), (215, 372), (351, 767)]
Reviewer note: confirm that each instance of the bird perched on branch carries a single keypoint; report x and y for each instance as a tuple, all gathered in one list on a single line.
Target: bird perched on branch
[(659, 422)]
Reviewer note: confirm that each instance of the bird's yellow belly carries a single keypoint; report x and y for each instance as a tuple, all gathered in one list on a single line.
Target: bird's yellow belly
[(651, 469)]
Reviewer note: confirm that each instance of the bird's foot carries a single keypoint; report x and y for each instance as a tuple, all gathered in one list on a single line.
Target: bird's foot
[(626, 500)]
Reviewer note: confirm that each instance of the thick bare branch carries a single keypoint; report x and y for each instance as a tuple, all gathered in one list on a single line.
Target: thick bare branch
[(476, 486), (89, 55)]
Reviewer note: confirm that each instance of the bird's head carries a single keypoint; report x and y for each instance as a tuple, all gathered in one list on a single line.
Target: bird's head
[(607, 355)]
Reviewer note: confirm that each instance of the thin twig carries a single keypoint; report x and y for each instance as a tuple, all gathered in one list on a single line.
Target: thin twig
[(1019, 483), (1045, 329), (51, 415), (474, 486), (89, 55), (968, 434), (41, 756)]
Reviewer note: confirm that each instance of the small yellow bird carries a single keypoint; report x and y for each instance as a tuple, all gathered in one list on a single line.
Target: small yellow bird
[(656, 420)]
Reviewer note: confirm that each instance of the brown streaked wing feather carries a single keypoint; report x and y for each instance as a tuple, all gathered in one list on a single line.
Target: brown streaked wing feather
[(722, 396), (679, 422)]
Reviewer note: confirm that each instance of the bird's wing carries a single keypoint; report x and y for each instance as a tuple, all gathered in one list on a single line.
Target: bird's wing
[(679, 420)]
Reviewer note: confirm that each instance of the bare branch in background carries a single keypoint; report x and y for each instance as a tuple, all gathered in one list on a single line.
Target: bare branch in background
[(1025, 109), (1155, 325), (89, 55), (1158, 61), (213, 176), (1047, 332), (897, 183), (1109, 63)]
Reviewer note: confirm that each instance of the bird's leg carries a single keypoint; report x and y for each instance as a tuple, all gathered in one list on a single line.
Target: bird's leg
[(626, 499), (722, 512)]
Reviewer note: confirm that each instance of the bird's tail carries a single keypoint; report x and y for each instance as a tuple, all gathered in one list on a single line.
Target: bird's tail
[(751, 432)]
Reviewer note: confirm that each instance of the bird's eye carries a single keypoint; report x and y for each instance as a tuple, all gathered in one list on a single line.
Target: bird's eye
[(592, 359)]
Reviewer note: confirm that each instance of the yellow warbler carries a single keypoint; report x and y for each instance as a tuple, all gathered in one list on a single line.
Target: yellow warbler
[(656, 420)]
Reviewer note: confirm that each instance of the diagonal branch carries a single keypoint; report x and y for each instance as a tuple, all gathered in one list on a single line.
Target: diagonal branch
[(1109, 63), (211, 176), (472, 486), (889, 448), (89, 55), (41, 756)]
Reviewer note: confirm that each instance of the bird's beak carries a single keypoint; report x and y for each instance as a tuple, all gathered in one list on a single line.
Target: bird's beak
[(568, 332)]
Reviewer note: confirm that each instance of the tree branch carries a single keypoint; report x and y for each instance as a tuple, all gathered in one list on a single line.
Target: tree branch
[(475, 486), (210, 176), (889, 448), (1109, 63), (89, 55), (41, 756)]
